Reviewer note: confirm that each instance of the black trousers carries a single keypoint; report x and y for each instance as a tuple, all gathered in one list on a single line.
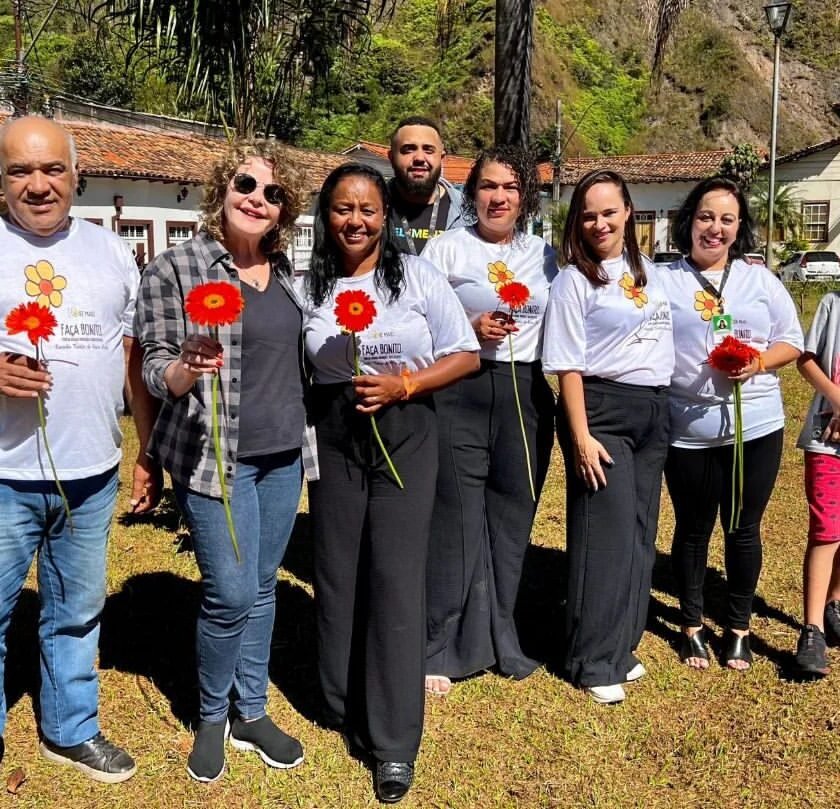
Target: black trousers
[(700, 483), (370, 545), (483, 517), (611, 533)]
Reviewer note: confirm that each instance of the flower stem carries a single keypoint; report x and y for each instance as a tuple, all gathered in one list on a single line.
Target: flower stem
[(43, 420), (521, 420), (391, 467), (217, 447)]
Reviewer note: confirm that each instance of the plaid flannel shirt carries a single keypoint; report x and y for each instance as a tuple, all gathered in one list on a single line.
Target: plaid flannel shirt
[(182, 438)]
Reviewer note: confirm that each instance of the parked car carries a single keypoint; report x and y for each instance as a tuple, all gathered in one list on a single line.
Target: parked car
[(666, 258), (812, 265), (754, 258)]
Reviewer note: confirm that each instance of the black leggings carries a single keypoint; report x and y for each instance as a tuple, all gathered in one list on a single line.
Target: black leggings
[(700, 482)]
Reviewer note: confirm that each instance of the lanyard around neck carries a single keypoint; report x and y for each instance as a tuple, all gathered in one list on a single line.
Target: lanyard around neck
[(432, 222), (708, 286)]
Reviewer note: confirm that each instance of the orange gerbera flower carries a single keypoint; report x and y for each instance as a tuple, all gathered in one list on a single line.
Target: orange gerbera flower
[(354, 310), (499, 274), (514, 294), (631, 291), (706, 304), (214, 304), (37, 321), (43, 284)]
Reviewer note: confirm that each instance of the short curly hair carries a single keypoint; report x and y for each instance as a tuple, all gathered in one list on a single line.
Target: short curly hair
[(524, 166), (286, 172)]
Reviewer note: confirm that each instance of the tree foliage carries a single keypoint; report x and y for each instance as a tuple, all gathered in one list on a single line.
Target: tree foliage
[(741, 165)]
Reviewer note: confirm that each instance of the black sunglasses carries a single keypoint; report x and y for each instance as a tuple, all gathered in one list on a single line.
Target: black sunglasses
[(246, 184)]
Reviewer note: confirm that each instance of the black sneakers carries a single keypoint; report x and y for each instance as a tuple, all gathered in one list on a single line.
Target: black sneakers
[(810, 652), (97, 758), (392, 780), (832, 622), (206, 762), (275, 748)]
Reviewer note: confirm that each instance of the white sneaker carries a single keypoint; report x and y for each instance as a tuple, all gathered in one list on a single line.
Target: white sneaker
[(606, 694), (636, 673)]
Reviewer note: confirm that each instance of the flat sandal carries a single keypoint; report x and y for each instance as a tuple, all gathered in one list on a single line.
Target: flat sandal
[(693, 645)]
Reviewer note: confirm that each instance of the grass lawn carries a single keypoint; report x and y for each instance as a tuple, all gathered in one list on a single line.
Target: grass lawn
[(682, 738)]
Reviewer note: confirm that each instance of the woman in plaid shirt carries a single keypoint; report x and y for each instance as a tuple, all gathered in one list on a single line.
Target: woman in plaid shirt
[(251, 201)]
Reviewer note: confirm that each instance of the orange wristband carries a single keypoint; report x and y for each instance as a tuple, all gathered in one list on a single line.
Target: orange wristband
[(761, 368), (409, 383)]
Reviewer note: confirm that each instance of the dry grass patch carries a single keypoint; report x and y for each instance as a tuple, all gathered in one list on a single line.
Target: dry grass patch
[(682, 738)]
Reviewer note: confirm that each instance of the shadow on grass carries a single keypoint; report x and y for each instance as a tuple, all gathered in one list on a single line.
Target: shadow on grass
[(166, 516), (540, 607), (714, 607), (22, 657)]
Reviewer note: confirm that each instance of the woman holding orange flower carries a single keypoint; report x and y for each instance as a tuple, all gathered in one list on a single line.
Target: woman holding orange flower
[(715, 294), (382, 331), (495, 426), (219, 320), (608, 337)]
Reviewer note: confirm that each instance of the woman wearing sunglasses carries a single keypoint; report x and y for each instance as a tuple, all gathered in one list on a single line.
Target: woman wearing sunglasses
[(251, 201)]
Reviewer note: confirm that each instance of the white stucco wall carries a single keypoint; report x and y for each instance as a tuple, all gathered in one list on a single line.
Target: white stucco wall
[(816, 178)]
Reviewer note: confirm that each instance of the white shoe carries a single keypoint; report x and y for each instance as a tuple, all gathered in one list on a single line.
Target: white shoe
[(606, 694), (636, 673)]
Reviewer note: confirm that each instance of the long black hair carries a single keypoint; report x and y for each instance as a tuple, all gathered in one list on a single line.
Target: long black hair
[(326, 263), (744, 241), (577, 251), (524, 167)]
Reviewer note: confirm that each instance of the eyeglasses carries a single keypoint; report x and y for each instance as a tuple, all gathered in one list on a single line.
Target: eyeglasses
[(246, 184)]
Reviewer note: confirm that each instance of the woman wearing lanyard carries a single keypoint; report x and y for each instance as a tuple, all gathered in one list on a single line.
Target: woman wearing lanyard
[(371, 527), (715, 293), (485, 503), (608, 337)]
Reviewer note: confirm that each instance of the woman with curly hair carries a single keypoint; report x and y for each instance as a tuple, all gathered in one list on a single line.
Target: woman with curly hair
[(485, 503), (370, 522), (251, 201)]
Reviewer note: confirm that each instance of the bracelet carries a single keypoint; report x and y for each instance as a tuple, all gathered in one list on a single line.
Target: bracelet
[(761, 367), (409, 383)]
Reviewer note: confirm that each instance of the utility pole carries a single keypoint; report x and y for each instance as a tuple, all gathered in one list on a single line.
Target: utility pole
[(20, 93), (558, 152)]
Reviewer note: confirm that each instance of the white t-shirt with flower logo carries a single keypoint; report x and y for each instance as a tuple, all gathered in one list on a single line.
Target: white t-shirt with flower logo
[(616, 331), (702, 405), (424, 324), (475, 268), (88, 277)]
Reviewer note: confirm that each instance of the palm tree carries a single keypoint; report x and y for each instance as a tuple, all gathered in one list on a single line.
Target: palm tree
[(662, 17), (244, 61), (787, 210), (514, 48)]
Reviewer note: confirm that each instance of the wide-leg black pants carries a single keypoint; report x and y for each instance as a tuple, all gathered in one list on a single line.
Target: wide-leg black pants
[(483, 517), (611, 533), (371, 540)]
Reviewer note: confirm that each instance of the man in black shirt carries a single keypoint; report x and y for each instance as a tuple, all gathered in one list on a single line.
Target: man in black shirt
[(423, 204)]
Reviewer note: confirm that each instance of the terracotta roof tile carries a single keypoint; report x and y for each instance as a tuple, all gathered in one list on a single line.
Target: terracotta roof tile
[(455, 167), (817, 147), (108, 150), (650, 168)]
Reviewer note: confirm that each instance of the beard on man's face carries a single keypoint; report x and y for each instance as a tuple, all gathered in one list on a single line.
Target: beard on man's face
[(407, 185)]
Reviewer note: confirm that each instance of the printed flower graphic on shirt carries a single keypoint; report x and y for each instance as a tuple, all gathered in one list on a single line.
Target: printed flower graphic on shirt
[(631, 291), (707, 304), (498, 274), (43, 284)]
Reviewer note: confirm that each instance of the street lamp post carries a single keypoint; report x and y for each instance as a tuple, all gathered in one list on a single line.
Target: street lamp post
[(778, 16)]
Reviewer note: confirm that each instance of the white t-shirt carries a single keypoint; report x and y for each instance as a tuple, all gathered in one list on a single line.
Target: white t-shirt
[(424, 324), (473, 265), (702, 407), (823, 341), (616, 331), (94, 306)]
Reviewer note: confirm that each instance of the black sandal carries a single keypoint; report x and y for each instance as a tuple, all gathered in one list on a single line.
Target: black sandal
[(736, 647), (693, 645)]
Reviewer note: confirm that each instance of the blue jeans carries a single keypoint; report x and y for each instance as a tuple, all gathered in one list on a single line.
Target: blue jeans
[(236, 618), (71, 588)]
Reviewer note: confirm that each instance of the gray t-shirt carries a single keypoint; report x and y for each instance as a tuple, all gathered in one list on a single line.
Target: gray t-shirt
[(823, 341)]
